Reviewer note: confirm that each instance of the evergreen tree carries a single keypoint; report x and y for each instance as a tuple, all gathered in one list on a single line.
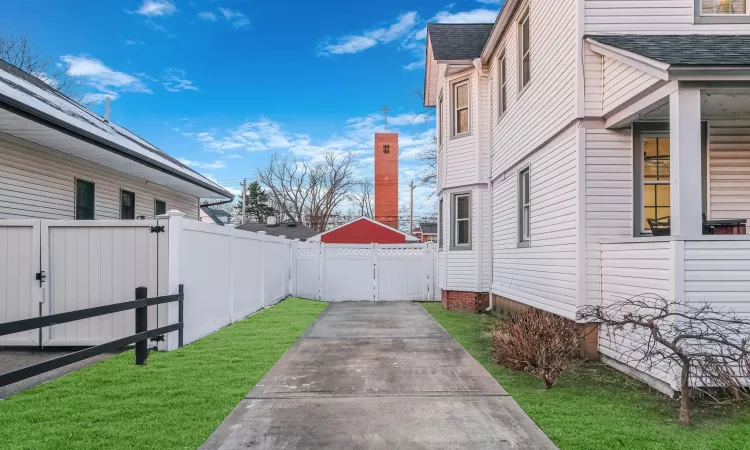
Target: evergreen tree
[(257, 208)]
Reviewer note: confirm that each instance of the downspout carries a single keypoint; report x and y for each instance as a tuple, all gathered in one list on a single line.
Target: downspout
[(478, 64)]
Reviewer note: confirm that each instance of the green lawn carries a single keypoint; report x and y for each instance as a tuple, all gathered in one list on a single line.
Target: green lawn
[(174, 402), (595, 407)]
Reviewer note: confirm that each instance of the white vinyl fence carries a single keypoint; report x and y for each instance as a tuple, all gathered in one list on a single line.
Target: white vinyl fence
[(227, 274), (374, 272)]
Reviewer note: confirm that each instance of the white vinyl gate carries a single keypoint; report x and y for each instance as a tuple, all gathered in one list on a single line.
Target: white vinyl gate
[(374, 272), (82, 264)]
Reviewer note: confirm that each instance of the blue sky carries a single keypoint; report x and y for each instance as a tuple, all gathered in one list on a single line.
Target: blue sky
[(223, 84)]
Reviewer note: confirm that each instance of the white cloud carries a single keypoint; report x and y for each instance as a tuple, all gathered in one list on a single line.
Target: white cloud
[(415, 65), (200, 165), (132, 42), (207, 15), (481, 15), (237, 18), (399, 30), (95, 74), (490, 2), (174, 80), (153, 8)]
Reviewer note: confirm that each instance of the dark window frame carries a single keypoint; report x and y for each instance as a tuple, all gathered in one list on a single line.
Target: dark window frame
[(441, 218), (156, 209), (93, 199), (502, 85), (455, 109), (123, 193)]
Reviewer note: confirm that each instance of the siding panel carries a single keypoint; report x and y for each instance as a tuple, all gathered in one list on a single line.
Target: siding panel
[(40, 183)]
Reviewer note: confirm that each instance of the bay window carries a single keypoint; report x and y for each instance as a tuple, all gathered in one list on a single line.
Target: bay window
[(461, 108)]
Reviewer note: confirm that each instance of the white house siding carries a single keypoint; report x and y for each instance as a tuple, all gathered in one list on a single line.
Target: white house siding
[(40, 183), (729, 169), (461, 153), (650, 17), (548, 102), (718, 272), (630, 269), (621, 82), (545, 274), (608, 197), (593, 80), (462, 272)]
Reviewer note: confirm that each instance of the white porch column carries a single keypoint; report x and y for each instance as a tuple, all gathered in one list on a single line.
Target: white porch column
[(686, 179)]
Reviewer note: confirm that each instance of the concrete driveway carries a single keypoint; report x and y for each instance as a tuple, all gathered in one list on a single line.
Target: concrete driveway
[(377, 376)]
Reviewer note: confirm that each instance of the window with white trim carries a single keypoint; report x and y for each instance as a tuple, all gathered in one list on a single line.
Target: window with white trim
[(461, 221), (502, 85), (460, 102), (524, 50), (655, 173), (524, 206), (724, 7)]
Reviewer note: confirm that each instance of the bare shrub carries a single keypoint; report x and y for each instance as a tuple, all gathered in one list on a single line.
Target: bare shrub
[(538, 343)]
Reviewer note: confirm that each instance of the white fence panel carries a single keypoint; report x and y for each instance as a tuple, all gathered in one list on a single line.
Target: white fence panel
[(247, 265), (307, 270), (205, 269), (95, 263), (348, 272), (402, 272), (273, 273), (20, 292)]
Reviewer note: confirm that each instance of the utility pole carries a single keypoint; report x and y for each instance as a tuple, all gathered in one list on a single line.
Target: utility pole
[(411, 206), (244, 189)]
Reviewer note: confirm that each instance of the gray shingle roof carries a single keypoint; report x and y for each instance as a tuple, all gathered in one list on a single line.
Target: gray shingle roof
[(458, 41), (428, 227), (297, 231), (684, 50)]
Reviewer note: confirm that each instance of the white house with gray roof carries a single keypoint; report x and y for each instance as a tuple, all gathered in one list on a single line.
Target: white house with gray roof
[(590, 150), (59, 160)]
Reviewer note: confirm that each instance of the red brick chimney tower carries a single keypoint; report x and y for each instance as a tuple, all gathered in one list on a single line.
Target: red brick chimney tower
[(386, 179)]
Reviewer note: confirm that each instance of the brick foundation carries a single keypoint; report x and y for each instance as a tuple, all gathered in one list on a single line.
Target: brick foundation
[(506, 308), (466, 301)]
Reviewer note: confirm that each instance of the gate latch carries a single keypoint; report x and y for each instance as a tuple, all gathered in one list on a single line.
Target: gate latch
[(40, 276), (157, 229)]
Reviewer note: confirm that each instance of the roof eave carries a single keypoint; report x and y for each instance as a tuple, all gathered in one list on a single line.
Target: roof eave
[(711, 73), (23, 110), (501, 23)]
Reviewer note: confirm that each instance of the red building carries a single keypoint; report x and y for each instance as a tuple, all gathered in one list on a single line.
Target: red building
[(364, 231), (386, 179)]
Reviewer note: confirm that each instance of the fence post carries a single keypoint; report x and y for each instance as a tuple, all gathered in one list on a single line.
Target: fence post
[(181, 315), (262, 268), (231, 274), (293, 251), (141, 326), (321, 270), (172, 268)]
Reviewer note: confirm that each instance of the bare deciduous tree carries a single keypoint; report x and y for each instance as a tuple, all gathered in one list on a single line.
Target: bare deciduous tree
[(309, 193), (428, 155), (363, 201), (702, 345), (18, 51)]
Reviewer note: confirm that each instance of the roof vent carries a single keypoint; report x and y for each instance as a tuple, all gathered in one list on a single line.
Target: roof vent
[(106, 109)]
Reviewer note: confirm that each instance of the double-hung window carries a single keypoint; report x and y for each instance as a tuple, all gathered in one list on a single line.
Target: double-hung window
[(722, 11), (440, 120), (524, 207), (656, 178), (461, 117), (524, 50), (461, 221), (84, 200), (440, 223), (502, 86), (127, 205)]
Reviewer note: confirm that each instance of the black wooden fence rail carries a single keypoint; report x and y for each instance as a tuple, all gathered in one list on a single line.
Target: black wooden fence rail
[(140, 338)]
